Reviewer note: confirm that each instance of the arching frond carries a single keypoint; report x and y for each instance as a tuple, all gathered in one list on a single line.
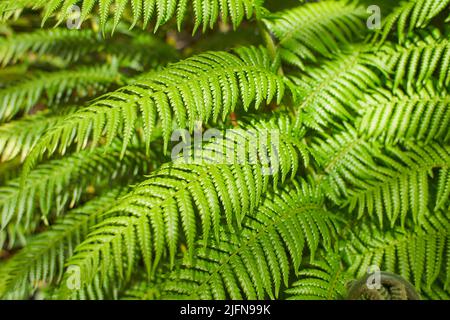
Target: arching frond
[(141, 49), (389, 181), (56, 87), (58, 183), (316, 28), (417, 255), (206, 12), (201, 88), (325, 280), (255, 262), (42, 261), (436, 292), (18, 137), (142, 290), (162, 210), (396, 116), (410, 15)]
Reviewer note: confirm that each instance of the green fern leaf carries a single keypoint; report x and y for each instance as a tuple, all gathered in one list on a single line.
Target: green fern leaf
[(329, 94), (209, 190), (387, 181), (326, 280), (399, 117), (259, 255), (410, 15), (415, 62), (56, 86), (42, 260), (18, 137), (419, 256), (73, 45), (54, 185), (161, 11), (175, 93)]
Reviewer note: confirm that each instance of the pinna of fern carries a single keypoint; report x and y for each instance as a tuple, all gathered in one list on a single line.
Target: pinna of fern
[(206, 12), (163, 209), (135, 50)]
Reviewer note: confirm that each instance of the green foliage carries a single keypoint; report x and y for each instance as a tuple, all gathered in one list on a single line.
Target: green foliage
[(255, 262), (410, 15), (417, 60), (59, 183), (206, 12), (217, 81), (165, 207), (333, 89), (18, 137), (326, 280), (324, 26), (394, 116), (318, 150), (58, 87), (420, 255), (131, 50), (391, 181)]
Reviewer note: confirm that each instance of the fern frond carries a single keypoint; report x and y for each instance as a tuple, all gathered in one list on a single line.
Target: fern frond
[(436, 292), (140, 51), (325, 280), (443, 189), (255, 262), (206, 12), (9, 170), (316, 28), (162, 210), (417, 255), (415, 62), (69, 44), (142, 290), (11, 74), (394, 116), (56, 87), (410, 15), (329, 93), (58, 183), (18, 137), (42, 261), (201, 88), (387, 181)]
